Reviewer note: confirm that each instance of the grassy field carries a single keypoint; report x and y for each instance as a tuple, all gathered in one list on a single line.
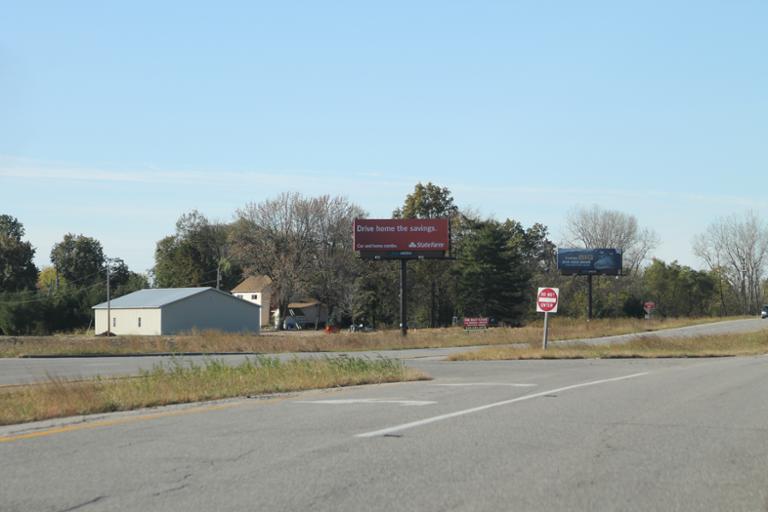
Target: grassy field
[(318, 341), (183, 383), (643, 347)]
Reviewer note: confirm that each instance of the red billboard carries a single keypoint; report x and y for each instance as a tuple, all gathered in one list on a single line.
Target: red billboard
[(402, 236)]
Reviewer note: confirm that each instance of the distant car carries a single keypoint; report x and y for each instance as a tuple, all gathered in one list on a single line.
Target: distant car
[(764, 312)]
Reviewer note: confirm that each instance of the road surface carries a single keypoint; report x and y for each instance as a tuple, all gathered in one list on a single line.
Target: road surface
[(591, 435)]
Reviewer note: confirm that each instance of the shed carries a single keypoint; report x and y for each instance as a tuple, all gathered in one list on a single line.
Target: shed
[(303, 314), (160, 311)]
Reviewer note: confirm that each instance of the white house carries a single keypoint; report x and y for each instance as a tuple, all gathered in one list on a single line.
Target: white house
[(172, 310), (258, 290)]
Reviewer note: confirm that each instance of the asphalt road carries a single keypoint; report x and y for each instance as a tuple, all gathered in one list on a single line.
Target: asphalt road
[(22, 371), (520, 435)]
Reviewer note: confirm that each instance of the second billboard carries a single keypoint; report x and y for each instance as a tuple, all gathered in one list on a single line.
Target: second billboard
[(589, 261)]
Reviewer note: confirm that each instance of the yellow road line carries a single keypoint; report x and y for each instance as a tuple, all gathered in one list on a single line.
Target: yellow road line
[(116, 421)]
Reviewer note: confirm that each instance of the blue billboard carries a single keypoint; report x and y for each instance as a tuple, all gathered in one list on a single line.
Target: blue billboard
[(585, 262)]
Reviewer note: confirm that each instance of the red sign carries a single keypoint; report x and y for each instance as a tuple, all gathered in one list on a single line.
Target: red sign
[(476, 323), (547, 299), (401, 235), (649, 306)]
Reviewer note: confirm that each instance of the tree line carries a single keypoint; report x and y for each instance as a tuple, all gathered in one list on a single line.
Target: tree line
[(304, 245), (57, 298)]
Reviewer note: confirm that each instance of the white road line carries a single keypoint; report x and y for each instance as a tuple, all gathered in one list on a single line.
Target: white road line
[(413, 424), (467, 384), (349, 401)]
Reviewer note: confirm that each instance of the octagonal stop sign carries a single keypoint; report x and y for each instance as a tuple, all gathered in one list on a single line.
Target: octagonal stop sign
[(547, 299)]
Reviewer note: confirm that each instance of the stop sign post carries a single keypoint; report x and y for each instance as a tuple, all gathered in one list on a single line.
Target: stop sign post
[(546, 302)]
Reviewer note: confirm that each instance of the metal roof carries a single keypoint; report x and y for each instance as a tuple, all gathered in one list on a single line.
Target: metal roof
[(152, 298)]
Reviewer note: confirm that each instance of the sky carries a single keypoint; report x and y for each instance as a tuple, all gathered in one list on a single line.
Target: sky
[(118, 117)]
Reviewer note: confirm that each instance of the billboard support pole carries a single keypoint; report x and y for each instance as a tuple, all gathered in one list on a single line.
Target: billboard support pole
[(403, 298), (589, 297)]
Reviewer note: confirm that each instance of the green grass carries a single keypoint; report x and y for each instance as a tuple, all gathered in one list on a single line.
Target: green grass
[(181, 382)]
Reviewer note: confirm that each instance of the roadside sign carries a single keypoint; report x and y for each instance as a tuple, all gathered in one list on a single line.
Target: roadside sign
[(649, 306), (471, 323), (547, 299), (546, 302)]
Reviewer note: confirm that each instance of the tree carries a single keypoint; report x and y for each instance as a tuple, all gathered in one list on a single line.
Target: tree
[(492, 276), (79, 259), (427, 202), (177, 264), (595, 228), (17, 270), (198, 254), (430, 278), (679, 290), (211, 239), (737, 248), (303, 244), (336, 269)]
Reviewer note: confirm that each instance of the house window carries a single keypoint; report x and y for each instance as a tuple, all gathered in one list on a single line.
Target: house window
[(139, 321), (255, 296), (114, 322)]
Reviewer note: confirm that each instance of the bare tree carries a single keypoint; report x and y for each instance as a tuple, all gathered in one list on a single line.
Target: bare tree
[(597, 228), (303, 244), (273, 238), (335, 267), (737, 248)]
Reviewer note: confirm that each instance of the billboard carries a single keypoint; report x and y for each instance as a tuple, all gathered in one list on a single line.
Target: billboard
[(586, 262), (402, 238)]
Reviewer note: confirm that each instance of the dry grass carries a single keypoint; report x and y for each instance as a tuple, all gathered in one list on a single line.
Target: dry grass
[(181, 383), (313, 341), (642, 347)]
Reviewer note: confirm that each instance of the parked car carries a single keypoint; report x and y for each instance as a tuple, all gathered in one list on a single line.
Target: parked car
[(764, 312)]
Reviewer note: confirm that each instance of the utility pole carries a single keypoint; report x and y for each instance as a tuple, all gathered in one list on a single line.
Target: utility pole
[(403, 297), (109, 304)]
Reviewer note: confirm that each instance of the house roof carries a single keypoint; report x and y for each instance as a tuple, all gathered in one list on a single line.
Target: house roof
[(152, 298), (253, 284), (308, 303), (300, 305)]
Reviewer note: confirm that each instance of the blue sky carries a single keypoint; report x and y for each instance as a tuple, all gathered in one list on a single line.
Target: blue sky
[(117, 118)]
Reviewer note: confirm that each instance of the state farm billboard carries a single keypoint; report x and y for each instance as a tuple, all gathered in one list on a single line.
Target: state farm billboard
[(402, 236)]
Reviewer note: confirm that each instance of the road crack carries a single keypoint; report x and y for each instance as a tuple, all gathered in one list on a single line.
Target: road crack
[(85, 504)]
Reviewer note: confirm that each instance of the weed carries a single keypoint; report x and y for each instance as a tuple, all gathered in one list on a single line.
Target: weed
[(178, 381)]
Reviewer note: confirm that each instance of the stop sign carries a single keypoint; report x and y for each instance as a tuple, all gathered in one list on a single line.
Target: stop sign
[(546, 300)]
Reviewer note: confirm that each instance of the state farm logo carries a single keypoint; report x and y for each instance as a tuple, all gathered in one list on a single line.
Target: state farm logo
[(426, 245)]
